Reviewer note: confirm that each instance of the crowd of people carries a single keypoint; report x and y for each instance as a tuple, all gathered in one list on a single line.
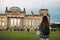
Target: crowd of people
[(15, 28)]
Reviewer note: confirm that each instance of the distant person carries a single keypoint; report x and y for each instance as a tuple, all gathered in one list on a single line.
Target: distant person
[(44, 29), (28, 29)]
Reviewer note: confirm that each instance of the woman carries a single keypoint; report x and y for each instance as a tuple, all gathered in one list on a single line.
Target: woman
[(44, 29)]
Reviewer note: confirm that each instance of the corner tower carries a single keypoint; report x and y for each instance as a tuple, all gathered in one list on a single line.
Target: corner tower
[(44, 12)]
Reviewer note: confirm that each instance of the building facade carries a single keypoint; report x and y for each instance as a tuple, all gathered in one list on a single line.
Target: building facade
[(16, 18)]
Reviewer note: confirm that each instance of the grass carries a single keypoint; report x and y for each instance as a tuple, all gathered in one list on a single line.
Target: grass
[(55, 35), (15, 35)]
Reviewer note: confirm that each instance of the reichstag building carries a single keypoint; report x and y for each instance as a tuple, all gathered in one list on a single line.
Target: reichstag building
[(16, 19)]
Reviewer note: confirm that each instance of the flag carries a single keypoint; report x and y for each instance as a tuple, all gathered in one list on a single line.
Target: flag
[(32, 13)]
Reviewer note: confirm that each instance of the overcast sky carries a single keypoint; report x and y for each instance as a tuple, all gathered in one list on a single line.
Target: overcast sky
[(35, 6)]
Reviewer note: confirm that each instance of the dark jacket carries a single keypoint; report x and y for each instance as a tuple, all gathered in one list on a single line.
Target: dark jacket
[(45, 31)]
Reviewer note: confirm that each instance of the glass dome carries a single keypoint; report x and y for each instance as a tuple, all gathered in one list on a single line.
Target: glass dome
[(15, 9)]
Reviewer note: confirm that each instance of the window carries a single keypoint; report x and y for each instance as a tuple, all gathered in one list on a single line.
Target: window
[(26, 22), (29, 22), (32, 22)]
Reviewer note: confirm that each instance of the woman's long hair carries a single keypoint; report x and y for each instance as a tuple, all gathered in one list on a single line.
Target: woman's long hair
[(45, 22)]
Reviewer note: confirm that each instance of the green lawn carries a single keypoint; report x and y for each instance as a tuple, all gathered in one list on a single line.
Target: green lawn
[(15, 35)]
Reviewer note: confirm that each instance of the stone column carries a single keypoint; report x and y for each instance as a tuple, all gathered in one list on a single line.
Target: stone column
[(7, 21), (17, 21), (13, 21), (22, 21)]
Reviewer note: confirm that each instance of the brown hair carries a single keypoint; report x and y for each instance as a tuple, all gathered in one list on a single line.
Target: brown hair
[(45, 22)]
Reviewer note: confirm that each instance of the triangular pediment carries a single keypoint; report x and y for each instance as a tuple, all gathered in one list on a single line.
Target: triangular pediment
[(15, 13)]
